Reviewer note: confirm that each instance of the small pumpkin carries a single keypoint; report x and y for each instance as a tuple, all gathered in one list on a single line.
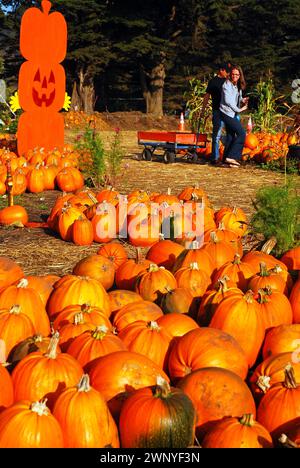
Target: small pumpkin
[(152, 283)]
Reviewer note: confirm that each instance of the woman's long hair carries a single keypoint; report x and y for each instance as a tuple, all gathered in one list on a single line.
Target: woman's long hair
[(241, 84)]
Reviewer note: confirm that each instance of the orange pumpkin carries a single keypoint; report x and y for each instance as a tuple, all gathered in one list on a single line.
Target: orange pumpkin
[(282, 339), (7, 391), (97, 267), (154, 282), (140, 310), (295, 301), (94, 315), (82, 231), (115, 252), (13, 214), (177, 324), (15, 326), (164, 253), (120, 298), (10, 272)]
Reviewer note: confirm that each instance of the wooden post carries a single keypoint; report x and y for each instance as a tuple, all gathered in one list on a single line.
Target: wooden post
[(9, 184)]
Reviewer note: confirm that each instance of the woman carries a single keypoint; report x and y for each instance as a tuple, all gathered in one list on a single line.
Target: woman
[(232, 103)]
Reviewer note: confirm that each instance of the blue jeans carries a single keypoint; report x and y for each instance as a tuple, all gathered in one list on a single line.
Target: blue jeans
[(218, 126), (235, 138)]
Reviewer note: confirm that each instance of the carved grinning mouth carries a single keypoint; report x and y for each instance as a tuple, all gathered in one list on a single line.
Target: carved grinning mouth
[(40, 100)]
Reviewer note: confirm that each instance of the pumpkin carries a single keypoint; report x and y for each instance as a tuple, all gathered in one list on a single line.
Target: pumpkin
[(212, 298), (238, 272), (156, 417), (233, 219), (147, 338), (43, 285), (7, 390), (243, 432), (30, 425), (93, 344), (93, 315), (85, 418), (271, 371), (117, 374), (66, 219), (220, 251), (240, 317), (177, 324), (153, 283), (280, 405), (36, 179), (295, 301), (194, 255), (143, 231), (46, 375), (271, 278), (82, 231), (226, 235), (140, 310), (282, 339), (206, 347), (10, 272), (178, 300), (291, 259), (74, 290), (255, 257), (74, 328), (115, 252), (164, 253), (127, 273), (291, 437), (29, 301), (193, 194), (97, 267), (216, 393), (15, 326), (69, 179), (109, 195), (29, 345), (275, 308), (193, 279), (120, 297), (251, 141), (13, 214)]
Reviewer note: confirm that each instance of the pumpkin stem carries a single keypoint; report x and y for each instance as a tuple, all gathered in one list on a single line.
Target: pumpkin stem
[(262, 296), (78, 319), (169, 191), (263, 383), (162, 389), (138, 255), (52, 348), (249, 296), (290, 378), (263, 270), (194, 266), (152, 268), (247, 420), (100, 332), (195, 245), (269, 245), (85, 308), (285, 442), (237, 259), (222, 284), (84, 384), (23, 283), (40, 407), (153, 326), (213, 237), (15, 309)]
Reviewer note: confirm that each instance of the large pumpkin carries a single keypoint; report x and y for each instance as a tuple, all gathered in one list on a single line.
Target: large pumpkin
[(177, 324), (140, 310), (85, 418), (164, 253), (295, 301), (46, 375), (216, 393), (275, 308), (206, 347), (127, 273), (29, 425), (15, 326), (91, 314), (115, 252), (238, 272), (7, 390), (98, 267), (154, 282), (157, 417), (282, 339), (120, 297)]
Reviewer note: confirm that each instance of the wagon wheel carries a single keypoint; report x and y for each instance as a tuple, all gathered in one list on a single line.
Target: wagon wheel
[(169, 157), (147, 154), (194, 157)]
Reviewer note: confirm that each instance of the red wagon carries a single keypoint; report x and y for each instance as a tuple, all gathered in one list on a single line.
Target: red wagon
[(183, 144)]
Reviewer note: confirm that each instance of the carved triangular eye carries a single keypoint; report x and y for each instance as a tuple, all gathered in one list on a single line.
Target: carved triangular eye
[(52, 78), (37, 76)]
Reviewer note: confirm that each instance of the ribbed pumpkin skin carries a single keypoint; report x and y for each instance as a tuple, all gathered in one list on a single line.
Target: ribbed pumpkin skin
[(30, 302), (295, 301), (275, 309), (14, 327), (231, 433), (115, 252), (91, 314), (164, 253), (20, 427), (73, 329), (91, 345), (43, 285), (7, 390), (73, 290), (27, 346), (192, 278), (270, 372), (82, 232), (85, 419), (200, 256), (130, 313), (206, 347), (96, 267), (149, 421), (10, 272), (147, 338), (127, 273), (216, 393), (180, 301), (120, 298), (238, 272), (240, 317), (282, 339), (210, 301), (38, 376)]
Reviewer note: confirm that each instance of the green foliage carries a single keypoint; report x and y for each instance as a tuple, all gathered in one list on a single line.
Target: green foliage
[(113, 159), (92, 160), (277, 213), (278, 165), (194, 97), (266, 115)]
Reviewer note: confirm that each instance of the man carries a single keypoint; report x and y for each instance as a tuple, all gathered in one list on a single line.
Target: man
[(214, 91)]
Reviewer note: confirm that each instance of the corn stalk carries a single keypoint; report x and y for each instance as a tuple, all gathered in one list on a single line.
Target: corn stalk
[(194, 101)]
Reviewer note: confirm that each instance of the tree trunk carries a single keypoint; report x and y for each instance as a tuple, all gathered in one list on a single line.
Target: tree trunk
[(153, 87), (76, 103), (86, 91)]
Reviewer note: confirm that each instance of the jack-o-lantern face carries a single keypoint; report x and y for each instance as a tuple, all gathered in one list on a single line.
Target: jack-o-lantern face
[(41, 87)]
